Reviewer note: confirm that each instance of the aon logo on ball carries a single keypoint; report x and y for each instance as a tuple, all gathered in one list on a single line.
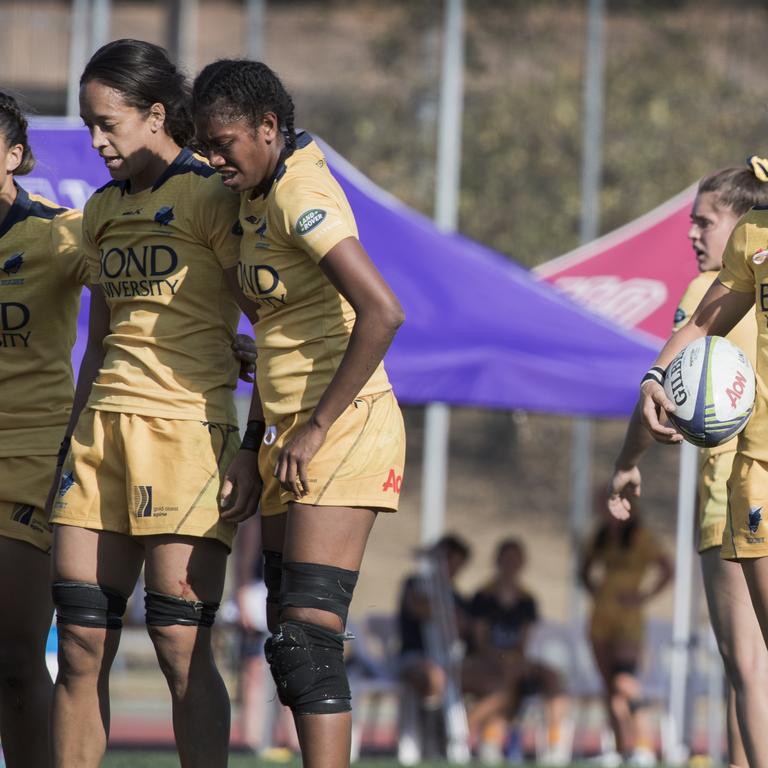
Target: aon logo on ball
[(712, 385)]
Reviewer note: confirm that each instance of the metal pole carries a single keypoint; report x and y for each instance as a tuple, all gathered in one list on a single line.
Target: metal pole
[(100, 23), (78, 46), (255, 20), (187, 34), (437, 415), (677, 751), (591, 169)]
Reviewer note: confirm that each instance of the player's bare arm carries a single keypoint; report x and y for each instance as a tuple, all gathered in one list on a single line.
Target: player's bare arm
[(98, 328), (378, 316)]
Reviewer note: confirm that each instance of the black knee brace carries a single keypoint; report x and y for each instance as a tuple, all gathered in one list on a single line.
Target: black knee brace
[(307, 664), (166, 610), (87, 605), (309, 585), (273, 571)]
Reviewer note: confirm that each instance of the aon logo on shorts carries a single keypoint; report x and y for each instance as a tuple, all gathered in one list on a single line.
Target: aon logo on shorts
[(393, 483)]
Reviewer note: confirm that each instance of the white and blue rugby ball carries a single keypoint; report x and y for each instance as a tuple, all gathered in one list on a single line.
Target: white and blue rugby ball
[(712, 384)]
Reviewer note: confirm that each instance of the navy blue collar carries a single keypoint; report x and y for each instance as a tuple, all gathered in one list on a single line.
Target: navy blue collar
[(18, 211)]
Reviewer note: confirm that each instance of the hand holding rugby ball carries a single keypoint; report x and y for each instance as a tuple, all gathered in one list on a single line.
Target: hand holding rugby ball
[(712, 384)]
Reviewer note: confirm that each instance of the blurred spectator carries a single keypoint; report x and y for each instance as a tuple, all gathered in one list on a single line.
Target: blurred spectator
[(624, 567), (503, 613), (426, 675), (250, 597)]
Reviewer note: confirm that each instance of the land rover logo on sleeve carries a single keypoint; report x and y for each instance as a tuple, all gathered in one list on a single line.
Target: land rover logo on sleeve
[(309, 220)]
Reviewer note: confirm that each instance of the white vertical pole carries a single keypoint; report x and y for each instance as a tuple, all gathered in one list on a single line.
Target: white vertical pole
[(255, 19), (100, 23), (437, 415), (78, 50), (187, 35), (591, 165), (677, 752)]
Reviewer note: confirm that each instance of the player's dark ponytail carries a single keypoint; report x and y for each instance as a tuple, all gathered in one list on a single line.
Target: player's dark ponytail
[(143, 75), (237, 88), (13, 128)]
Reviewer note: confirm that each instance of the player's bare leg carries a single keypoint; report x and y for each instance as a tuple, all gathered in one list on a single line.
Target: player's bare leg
[(742, 647), (619, 715), (81, 694), (327, 536), (191, 569), (25, 685)]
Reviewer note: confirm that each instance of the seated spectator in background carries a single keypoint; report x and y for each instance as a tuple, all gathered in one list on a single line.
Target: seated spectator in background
[(250, 595), (503, 613), (426, 675), (624, 567)]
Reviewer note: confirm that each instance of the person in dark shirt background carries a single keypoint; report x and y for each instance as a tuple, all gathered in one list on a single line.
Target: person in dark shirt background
[(503, 614)]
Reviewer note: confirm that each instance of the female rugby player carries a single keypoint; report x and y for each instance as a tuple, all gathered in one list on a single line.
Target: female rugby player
[(331, 433), (153, 417), (722, 198), (41, 276)]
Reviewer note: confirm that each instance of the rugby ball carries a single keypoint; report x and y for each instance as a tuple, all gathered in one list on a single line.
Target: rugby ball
[(712, 384)]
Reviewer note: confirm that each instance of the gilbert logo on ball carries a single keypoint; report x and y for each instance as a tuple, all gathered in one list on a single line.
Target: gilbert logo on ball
[(712, 384)]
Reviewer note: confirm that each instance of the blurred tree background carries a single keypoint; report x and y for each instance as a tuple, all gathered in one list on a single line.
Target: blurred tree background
[(685, 93)]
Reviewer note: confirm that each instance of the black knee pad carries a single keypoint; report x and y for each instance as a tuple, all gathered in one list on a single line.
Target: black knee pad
[(166, 610), (325, 587), (87, 605), (307, 664), (273, 573), (635, 705)]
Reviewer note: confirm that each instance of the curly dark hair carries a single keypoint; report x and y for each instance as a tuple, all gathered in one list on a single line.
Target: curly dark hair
[(13, 128), (239, 88), (143, 75)]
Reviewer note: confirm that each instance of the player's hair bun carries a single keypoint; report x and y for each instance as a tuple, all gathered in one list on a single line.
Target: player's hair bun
[(759, 166)]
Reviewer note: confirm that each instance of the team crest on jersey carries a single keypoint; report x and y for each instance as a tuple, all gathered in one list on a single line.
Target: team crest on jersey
[(309, 220), (165, 215), (261, 229), (13, 263), (755, 518), (67, 481), (760, 256), (142, 500), (679, 315), (22, 513)]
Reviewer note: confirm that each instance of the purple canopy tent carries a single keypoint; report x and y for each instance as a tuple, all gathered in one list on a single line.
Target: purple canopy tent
[(480, 331)]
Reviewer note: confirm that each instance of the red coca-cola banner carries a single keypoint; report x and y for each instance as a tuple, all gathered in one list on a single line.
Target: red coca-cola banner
[(634, 275)]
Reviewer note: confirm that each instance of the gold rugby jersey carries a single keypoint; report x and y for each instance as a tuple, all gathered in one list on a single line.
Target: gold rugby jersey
[(159, 256), (304, 323), (625, 567), (42, 271), (745, 269), (744, 335)]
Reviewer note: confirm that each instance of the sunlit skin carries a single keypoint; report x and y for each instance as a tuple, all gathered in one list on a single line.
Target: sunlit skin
[(244, 158), (711, 225), (11, 160), (133, 144)]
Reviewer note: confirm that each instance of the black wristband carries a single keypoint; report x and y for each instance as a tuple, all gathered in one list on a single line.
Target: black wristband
[(657, 374), (254, 434), (63, 451)]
